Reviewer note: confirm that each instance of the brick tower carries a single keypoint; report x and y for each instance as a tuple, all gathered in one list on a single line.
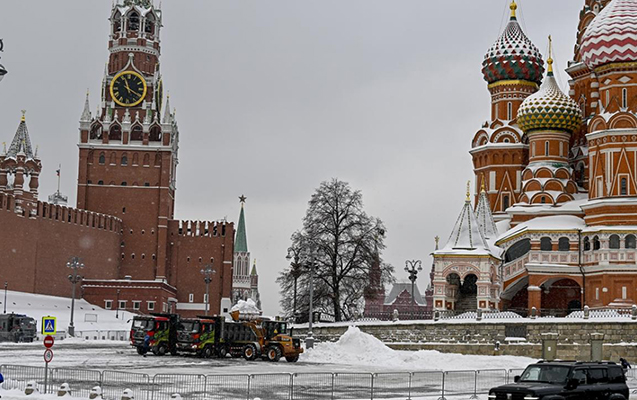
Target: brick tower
[(128, 153)]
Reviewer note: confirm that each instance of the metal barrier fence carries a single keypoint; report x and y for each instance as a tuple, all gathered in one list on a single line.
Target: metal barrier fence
[(424, 385)]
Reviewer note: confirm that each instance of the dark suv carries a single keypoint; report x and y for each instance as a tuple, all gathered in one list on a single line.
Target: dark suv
[(566, 380)]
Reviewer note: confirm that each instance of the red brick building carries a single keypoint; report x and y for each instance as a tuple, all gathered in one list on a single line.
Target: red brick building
[(136, 255)]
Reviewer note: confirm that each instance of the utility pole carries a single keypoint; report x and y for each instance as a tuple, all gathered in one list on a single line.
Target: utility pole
[(413, 267), (74, 263)]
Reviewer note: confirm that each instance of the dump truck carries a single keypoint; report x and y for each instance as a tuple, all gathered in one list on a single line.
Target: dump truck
[(17, 328), (200, 335), (156, 333)]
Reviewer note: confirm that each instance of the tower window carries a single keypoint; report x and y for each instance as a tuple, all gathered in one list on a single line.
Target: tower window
[(117, 22), (137, 133), (624, 98), (100, 182), (546, 148), (124, 184), (115, 133), (587, 244), (533, 149), (155, 134), (543, 200), (102, 159), (596, 243), (607, 97), (613, 242), (563, 244), (545, 244), (623, 191), (124, 159), (505, 202), (630, 242), (133, 21), (509, 111)]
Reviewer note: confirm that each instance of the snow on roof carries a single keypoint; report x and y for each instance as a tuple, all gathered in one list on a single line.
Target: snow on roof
[(569, 207), (466, 236), (400, 287), (550, 223)]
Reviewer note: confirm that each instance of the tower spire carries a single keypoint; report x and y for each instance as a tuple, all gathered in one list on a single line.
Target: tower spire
[(86, 114), (513, 8), (241, 240), (167, 113), (468, 200), (21, 142), (550, 60)]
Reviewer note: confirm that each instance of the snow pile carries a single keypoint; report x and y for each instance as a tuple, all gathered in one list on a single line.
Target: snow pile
[(246, 307), (356, 348)]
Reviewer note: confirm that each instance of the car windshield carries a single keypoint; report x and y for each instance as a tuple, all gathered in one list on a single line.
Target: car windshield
[(189, 326), (545, 373), (144, 324)]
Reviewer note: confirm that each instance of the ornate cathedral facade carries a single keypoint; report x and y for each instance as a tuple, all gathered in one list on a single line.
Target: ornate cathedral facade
[(555, 223), (135, 255)]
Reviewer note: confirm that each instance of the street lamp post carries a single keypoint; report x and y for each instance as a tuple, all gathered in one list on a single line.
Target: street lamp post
[(296, 273), (413, 267), (208, 272), (117, 305), (6, 285), (309, 340), (3, 71), (74, 263)]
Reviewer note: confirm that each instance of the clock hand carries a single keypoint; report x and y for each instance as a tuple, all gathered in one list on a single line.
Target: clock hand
[(127, 87)]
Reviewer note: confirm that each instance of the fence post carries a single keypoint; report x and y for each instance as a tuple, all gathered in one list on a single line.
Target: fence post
[(249, 381), (371, 390), (475, 385), (442, 395), (291, 386), (332, 386), (411, 374)]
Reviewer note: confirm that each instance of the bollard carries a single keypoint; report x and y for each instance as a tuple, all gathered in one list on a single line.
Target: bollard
[(32, 387), (549, 345), (633, 312), (96, 393), (436, 315), (64, 390), (533, 312), (587, 312), (478, 315), (128, 395), (597, 345), (176, 396), (395, 315), (496, 346)]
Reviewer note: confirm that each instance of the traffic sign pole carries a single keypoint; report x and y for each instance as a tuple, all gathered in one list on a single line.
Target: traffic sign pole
[(48, 356)]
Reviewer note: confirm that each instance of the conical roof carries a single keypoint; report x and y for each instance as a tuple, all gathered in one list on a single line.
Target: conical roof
[(241, 240), (466, 234), (513, 56), (21, 143), (485, 217), (612, 35), (549, 108)]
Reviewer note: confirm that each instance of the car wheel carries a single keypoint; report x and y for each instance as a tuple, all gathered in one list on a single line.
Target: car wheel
[(273, 353), (249, 352)]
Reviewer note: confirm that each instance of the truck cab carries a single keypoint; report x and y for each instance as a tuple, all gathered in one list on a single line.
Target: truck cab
[(199, 335), (17, 328), (156, 333)]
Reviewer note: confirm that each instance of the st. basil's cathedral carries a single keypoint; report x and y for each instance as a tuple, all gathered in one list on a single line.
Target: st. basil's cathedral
[(555, 222)]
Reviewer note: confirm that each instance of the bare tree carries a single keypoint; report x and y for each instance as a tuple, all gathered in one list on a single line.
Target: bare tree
[(340, 242)]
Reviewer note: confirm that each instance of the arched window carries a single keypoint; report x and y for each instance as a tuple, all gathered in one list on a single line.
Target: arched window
[(100, 182), (146, 160), (133, 21), (509, 111), (579, 174), (624, 98), (115, 133), (102, 159), (155, 134), (623, 189), (157, 160), (96, 131), (113, 159), (533, 149), (135, 159), (543, 200), (137, 133), (630, 242), (596, 243), (587, 244), (117, 22), (519, 249), (546, 244), (613, 242), (124, 184), (563, 244), (150, 24), (124, 159), (505, 202)]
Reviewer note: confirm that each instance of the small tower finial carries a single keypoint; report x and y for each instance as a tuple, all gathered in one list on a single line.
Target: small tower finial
[(482, 188), (513, 8), (23, 116), (437, 239), (550, 60), (468, 191)]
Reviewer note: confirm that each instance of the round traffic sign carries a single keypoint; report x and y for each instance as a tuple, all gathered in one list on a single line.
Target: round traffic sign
[(48, 341), (48, 355)]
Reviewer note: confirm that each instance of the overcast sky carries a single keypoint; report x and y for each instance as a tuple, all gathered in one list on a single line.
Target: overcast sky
[(275, 96)]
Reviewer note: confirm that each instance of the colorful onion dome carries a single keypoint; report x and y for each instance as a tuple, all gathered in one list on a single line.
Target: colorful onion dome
[(612, 36), (549, 108), (513, 56)]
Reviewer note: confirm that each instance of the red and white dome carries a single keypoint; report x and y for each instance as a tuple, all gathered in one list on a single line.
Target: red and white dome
[(612, 36)]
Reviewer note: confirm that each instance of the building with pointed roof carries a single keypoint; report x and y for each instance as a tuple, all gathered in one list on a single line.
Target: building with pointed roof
[(557, 205), (245, 281)]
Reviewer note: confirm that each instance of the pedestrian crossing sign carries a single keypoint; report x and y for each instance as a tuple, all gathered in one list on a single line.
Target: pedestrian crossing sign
[(49, 326)]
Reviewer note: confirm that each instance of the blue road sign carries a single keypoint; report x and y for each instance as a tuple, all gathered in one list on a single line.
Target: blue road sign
[(49, 326)]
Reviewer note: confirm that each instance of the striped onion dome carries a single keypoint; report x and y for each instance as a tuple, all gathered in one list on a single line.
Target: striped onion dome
[(513, 56), (612, 36), (549, 108)]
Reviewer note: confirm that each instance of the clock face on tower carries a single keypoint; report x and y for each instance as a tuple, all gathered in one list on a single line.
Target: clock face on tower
[(128, 88)]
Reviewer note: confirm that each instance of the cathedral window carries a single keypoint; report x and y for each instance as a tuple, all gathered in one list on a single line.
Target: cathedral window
[(613, 242), (624, 98), (505, 202), (546, 148), (149, 26), (543, 200), (518, 250), (596, 243), (137, 133), (100, 182), (115, 133), (509, 111), (623, 191), (124, 159), (630, 242), (563, 244), (587, 244), (133, 21), (146, 160), (96, 132), (155, 134), (546, 244), (102, 159)]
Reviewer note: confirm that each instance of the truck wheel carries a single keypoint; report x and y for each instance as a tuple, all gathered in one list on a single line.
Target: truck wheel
[(141, 350), (207, 352), (292, 359), (273, 353), (159, 350), (223, 351), (249, 352)]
